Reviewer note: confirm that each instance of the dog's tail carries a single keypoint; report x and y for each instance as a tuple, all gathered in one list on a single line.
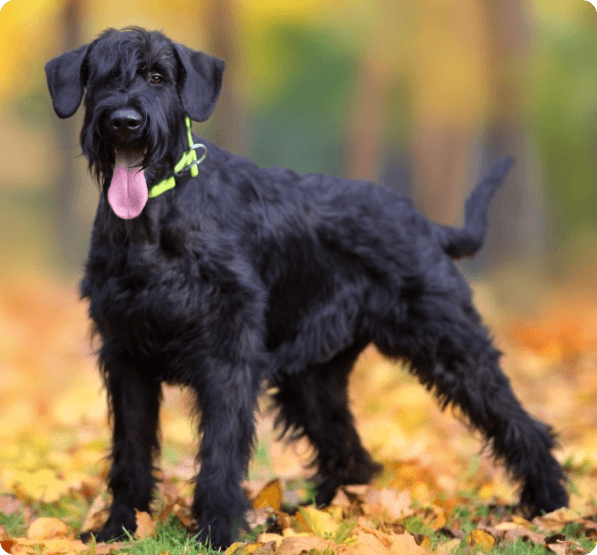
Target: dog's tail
[(467, 240)]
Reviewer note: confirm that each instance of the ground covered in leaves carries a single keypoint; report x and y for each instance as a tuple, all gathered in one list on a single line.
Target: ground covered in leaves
[(439, 492)]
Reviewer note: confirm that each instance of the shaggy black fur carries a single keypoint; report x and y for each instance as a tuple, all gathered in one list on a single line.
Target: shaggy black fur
[(244, 276)]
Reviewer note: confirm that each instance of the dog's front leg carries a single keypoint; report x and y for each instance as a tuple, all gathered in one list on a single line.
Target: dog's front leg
[(134, 405), (227, 397)]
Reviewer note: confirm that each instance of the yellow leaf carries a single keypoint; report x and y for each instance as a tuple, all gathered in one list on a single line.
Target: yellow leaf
[(318, 522), (335, 512), (481, 539), (47, 528), (233, 548), (42, 485), (486, 491), (420, 491), (269, 496)]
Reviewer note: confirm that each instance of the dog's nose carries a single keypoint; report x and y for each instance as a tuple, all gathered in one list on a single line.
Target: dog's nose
[(125, 120)]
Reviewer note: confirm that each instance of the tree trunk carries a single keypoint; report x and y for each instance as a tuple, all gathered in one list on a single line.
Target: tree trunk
[(67, 228), (229, 121)]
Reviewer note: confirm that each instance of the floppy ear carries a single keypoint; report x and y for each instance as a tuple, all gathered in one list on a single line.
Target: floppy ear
[(201, 82), (65, 81)]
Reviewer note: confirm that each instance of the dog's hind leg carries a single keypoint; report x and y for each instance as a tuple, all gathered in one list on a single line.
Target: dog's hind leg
[(134, 403), (314, 403), (450, 352)]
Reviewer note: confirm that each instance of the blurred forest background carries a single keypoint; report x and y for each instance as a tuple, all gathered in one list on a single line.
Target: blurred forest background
[(418, 95)]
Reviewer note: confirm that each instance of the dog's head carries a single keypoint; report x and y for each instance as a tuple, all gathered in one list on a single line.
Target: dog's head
[(138, 87)]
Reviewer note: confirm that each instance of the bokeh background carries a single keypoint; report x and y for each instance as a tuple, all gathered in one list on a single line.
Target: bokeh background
[(418, 95)]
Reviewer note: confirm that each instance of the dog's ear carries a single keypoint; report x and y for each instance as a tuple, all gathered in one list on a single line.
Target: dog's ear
[(65, 81), (201, 82)]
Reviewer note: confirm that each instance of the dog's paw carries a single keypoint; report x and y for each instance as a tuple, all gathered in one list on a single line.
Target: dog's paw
[(215, 534), (114, 529), (535, 501)]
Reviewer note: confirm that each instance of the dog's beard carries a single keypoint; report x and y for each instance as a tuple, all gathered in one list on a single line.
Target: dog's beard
[(127, 170), (127, 193)]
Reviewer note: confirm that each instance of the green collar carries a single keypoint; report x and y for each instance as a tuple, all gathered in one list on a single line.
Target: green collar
[(188, 161)]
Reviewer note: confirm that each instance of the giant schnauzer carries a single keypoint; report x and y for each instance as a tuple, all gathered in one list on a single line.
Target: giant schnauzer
[(207, 271)]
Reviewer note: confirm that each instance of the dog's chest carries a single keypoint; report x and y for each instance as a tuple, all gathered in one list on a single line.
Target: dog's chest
[(142, 299)]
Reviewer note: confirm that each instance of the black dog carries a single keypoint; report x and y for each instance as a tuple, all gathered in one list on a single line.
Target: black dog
[(225, 276)]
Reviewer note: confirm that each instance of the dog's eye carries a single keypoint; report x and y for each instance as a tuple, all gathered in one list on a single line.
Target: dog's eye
[(156, 78)]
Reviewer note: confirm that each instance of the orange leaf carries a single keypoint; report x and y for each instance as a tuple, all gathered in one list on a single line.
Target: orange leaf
[(145, 525), (47, 528), (269, 496)]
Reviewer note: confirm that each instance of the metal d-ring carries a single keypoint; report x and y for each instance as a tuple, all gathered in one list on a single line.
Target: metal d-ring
[(194, 162)]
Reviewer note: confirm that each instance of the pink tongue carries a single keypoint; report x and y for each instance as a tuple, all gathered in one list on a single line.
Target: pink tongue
[(127, 194)]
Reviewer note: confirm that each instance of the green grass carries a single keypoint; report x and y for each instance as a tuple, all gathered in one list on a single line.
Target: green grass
[(14, 524), (172, 537)]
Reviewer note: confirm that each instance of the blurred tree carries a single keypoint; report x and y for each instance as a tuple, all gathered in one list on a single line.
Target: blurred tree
[(518, 215), (300, 115), (449, 90), (378, 66), (229, 125), (67, 227), (562, 78)]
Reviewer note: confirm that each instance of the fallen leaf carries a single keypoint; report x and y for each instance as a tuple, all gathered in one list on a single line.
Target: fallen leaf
[(145, 525), (183, 514), (512, 531), (269, 496), (369, 543), (265, 538), (396, 503), (555, 520), (405, 544), (449, 548), (317, 522), (50, 547), (434, 516), (233, 548), (45, 528), (482, 539), (96, 514), (300, 545)]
